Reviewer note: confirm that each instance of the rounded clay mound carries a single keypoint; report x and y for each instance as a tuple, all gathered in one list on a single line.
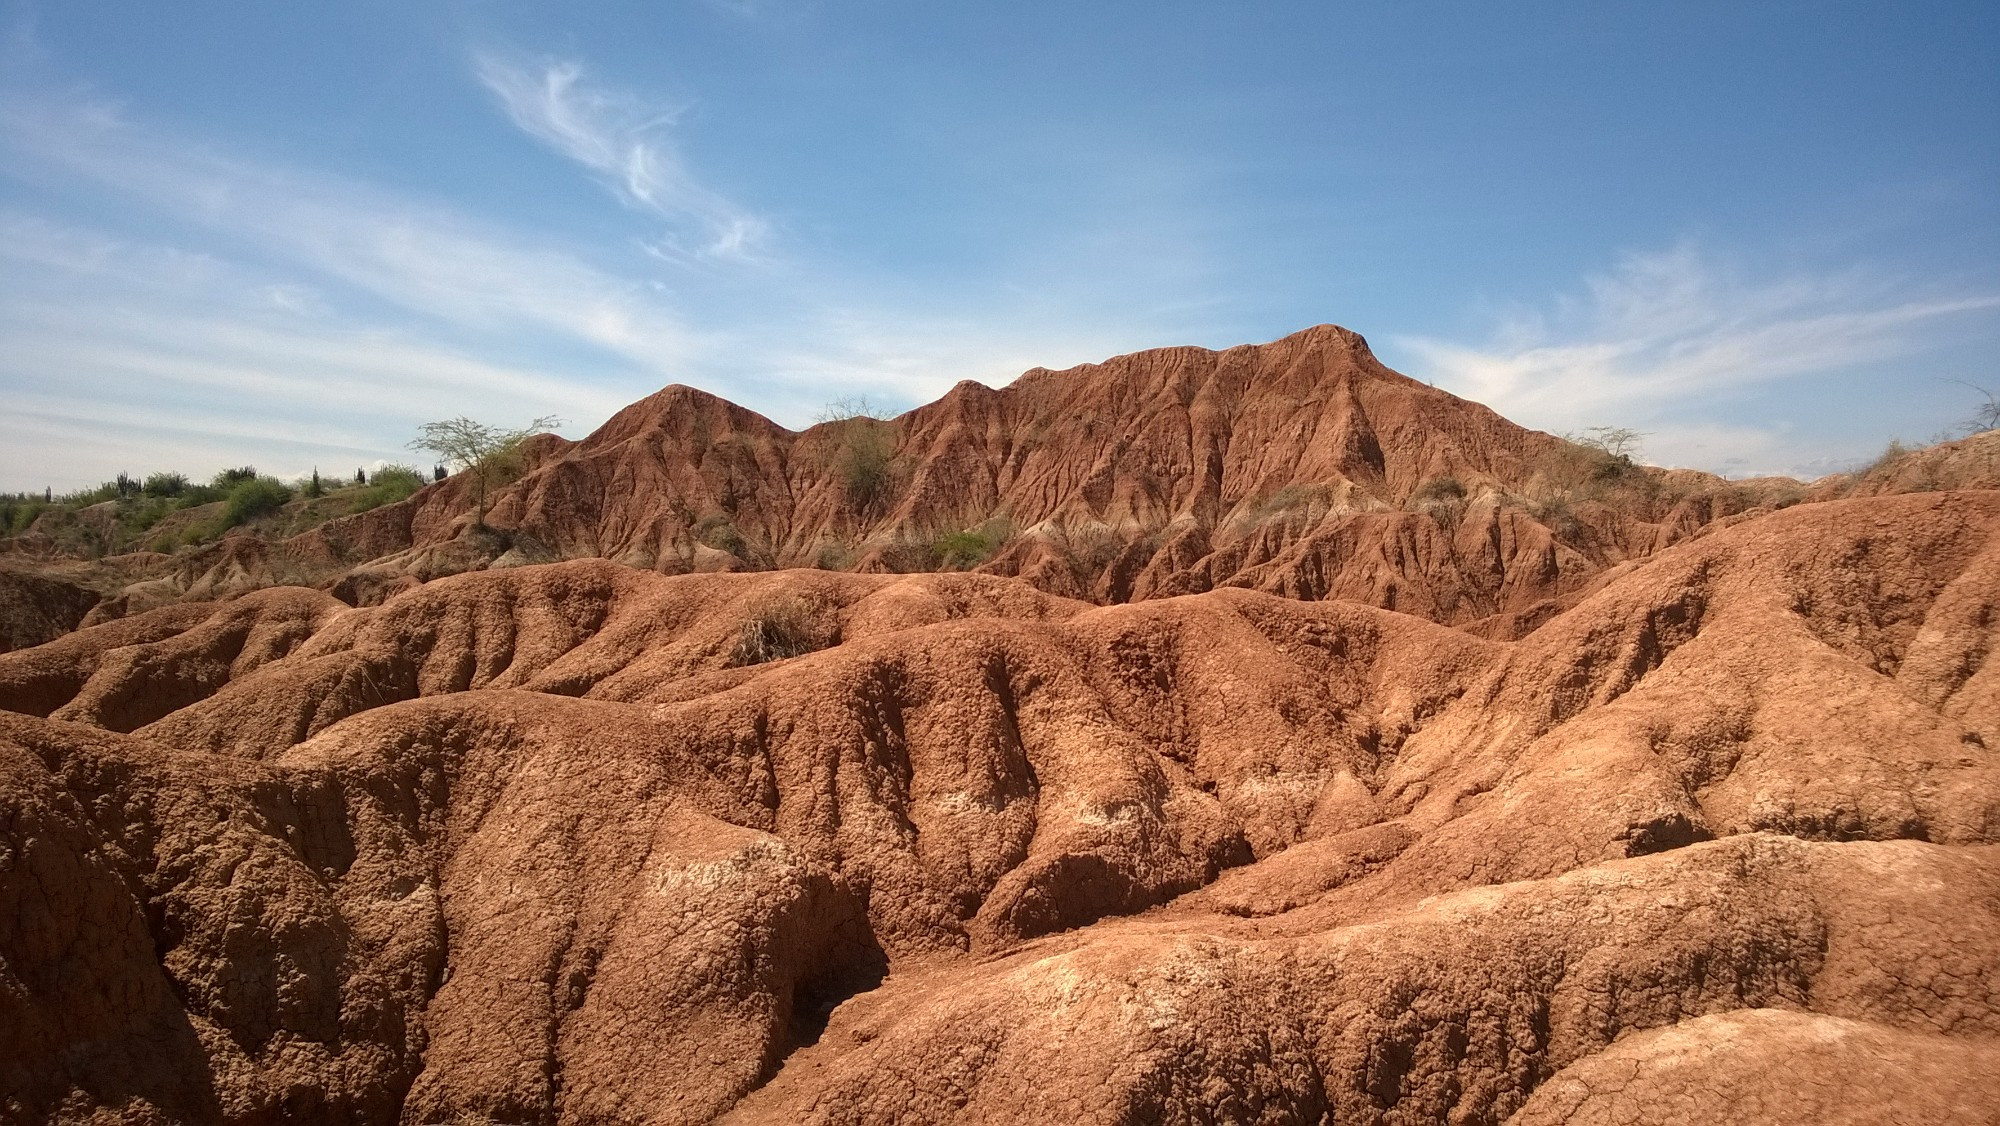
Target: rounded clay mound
[(1385, 803)]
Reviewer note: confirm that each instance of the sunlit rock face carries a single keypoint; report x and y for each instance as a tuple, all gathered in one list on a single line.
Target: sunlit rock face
[(1374, 801)]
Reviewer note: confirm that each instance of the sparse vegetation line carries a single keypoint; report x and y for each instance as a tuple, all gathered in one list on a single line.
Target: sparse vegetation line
[(489, 453)]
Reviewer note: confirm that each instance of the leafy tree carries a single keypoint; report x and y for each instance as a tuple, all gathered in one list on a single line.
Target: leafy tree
[(1618, 441), (485, 451), (849, 406)]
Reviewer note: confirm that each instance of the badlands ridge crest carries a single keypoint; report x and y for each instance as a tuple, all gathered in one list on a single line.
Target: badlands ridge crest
[(1255, 736)]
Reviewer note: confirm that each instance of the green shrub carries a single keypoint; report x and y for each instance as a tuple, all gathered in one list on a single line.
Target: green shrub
[(253, 498), (194, 532), (1296, 496), (194, 496), (864, 463), (962, 549), (230, 478), (84, 498), (391, 483), (967, 549), (721, 533), (164, 484), (1613, 467), (833, 556), (1556, 514), (17, 513), (851, 406), (1442, 498), (1786, 497), (137, 515)]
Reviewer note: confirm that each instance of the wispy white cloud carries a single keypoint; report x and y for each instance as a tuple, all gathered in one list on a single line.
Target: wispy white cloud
[(761, 9), (425, 259), (1664, 338), (286, 294), (287, 314), (222, 302), (169, 354), (622, 139)]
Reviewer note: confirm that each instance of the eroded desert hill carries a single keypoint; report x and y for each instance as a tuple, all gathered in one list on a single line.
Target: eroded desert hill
[(1255, 776), (552, 844), (1303, 468)]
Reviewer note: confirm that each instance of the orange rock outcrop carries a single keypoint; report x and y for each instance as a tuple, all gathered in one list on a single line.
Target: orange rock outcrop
[(1704, 828)]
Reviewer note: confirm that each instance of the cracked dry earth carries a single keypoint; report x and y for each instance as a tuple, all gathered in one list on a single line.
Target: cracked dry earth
[(1715, 844)]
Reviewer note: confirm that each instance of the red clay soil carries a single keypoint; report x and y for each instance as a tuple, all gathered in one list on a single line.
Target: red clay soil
[(35, 608), (1255, 736), (582, 842), (1302, 468)]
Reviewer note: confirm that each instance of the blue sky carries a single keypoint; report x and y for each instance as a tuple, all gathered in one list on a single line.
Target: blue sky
[(1768, 235)]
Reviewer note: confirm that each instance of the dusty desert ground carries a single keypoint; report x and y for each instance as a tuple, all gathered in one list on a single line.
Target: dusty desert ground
[(1255, 736)]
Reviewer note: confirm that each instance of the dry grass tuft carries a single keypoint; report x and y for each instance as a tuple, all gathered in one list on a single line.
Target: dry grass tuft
[(787, 626)]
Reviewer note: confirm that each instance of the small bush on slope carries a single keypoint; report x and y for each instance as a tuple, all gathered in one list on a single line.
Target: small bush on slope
[(1439, 489), (1311, 498), (165, 484), (392, 483), (253, 498), (969, 548), (864, 463), (1443, 498), (790, 626), (722, 534)]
